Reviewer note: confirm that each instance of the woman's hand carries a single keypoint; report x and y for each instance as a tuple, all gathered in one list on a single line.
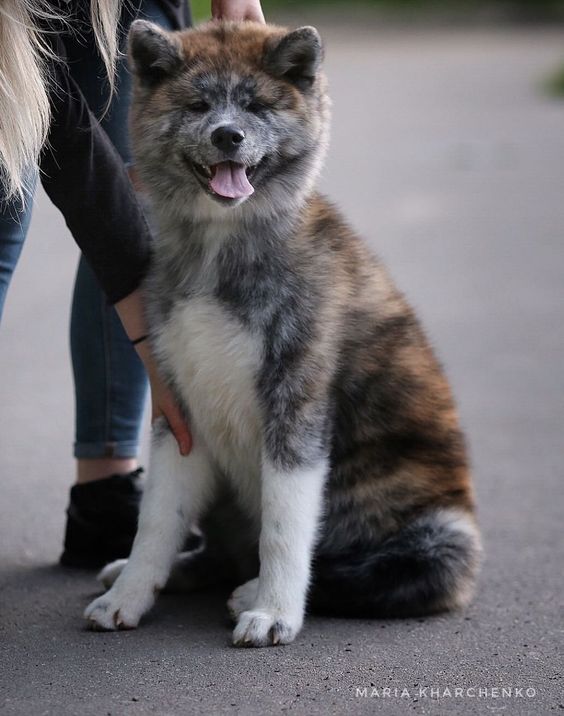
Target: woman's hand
[(163, 401), (132, 315), (237, 10)]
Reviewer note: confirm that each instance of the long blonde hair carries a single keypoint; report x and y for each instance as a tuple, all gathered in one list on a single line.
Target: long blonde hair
[(25, 113)]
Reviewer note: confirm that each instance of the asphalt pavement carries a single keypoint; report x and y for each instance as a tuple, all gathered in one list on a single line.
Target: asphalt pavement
[(449, 158)]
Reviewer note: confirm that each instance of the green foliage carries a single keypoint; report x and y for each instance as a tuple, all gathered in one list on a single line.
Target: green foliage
[(200, 9), (555, 83)]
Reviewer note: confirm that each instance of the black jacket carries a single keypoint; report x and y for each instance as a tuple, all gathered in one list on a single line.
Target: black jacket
[(85, 178), (178, 12)]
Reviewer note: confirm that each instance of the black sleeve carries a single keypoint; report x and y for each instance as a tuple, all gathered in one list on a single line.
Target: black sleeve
[(85, 178), (178, 12)]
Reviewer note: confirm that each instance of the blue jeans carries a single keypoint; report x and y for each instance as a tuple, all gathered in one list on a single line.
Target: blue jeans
[(109, 379)]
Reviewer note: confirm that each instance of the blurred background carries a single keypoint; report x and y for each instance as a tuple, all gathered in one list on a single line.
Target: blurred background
[(447, 155), (421, 13), (419, 10)]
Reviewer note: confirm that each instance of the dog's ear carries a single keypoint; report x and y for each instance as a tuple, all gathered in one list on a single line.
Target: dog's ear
[(296, 56), (153, 52)]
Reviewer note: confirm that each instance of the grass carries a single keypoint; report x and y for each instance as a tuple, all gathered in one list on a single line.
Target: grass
[(200, 10), (555, 83)]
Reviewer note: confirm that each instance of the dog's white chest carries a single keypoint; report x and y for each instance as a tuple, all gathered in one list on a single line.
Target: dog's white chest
[(215, 361)]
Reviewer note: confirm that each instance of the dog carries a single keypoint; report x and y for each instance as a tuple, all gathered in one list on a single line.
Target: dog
[(328, 469)]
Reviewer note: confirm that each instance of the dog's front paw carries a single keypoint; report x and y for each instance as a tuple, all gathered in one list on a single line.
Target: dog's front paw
[(260, 627), (117, 610), (243, 599), (111, 572)]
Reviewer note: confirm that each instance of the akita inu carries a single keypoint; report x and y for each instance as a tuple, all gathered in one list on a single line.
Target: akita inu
[(328, 466)]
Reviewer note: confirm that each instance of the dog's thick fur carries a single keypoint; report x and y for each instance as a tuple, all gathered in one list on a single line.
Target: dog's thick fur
[(327, 455)]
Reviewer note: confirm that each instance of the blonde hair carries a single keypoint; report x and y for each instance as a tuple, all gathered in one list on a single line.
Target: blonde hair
[(25, 112)]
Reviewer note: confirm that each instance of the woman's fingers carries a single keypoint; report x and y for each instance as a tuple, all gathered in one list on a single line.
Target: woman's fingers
[(165, 405), (237, 10), (176, 422), (255, 12)]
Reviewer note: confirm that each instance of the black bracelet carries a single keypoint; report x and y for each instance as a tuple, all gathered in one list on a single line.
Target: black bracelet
[(139, 340)]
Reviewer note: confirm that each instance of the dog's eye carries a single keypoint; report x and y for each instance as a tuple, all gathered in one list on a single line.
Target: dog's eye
[(256, 107), (199, 106)]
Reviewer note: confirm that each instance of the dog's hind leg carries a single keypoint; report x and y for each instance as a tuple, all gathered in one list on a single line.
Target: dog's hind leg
[(229, 552), (190, 572), (177, 491)]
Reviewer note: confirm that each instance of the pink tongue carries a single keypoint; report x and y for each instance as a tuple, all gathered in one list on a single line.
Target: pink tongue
[(230, 180)]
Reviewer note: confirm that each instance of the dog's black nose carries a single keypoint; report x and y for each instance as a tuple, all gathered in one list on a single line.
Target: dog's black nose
[(227, 138)]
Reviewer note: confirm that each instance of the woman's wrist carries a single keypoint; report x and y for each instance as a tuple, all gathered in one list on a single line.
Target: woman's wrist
[(143, 350), (132, 315)]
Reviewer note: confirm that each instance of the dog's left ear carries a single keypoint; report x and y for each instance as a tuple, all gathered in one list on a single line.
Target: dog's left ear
[(296, 57)]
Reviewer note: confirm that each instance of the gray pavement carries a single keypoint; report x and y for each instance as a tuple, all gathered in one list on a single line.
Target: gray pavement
[(450, 160)]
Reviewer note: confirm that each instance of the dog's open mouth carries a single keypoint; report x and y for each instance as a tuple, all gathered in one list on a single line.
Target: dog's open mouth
[(229, 180)]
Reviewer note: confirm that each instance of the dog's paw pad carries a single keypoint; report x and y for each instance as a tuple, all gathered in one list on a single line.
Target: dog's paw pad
[(258, 628)]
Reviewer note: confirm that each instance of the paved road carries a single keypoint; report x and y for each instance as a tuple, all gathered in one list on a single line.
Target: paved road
[(449, 159)]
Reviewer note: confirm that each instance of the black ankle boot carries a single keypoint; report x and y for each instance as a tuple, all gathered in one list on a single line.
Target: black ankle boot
[(102, 520)]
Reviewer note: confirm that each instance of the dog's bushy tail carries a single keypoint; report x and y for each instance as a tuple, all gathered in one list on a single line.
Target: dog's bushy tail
[(427, 567)]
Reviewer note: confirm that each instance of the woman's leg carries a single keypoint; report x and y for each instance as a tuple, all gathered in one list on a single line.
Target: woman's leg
[(110, 389), (110, 395), (110, 381), (15, 216)]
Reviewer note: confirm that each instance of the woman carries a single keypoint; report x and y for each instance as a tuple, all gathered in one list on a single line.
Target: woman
[(50, 96)]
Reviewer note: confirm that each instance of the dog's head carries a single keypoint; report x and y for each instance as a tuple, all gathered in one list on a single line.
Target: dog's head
[(227, 114)]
